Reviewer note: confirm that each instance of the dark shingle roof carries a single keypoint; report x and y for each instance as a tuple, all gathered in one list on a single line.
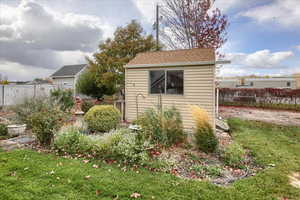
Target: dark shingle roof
[(68, 70)]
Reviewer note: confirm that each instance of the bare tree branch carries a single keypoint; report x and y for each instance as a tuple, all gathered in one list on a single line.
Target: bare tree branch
[(192, 24)]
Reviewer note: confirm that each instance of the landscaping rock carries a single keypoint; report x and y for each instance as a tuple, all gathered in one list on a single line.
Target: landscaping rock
[(222, 125), (16, 143)]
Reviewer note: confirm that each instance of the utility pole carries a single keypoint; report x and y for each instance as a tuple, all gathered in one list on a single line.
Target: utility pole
[(157, 27)]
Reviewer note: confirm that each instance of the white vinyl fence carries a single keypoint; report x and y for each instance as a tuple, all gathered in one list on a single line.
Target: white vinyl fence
[(14, 94)]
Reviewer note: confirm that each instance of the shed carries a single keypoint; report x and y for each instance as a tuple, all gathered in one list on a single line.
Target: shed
[(171, 78)]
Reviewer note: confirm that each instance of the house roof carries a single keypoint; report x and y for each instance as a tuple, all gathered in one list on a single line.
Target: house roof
[(68, 70), (174, 57)]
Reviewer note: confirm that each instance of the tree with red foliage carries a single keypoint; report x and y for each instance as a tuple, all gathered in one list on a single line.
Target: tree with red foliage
[(193, 24)]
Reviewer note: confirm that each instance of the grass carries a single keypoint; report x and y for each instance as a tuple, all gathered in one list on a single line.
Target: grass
[(25, 174)]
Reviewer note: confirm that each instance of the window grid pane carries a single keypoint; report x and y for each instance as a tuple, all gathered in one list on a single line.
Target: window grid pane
[(157, 82), (175, 82)]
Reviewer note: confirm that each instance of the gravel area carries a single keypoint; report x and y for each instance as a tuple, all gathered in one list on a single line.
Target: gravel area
[(271, 116)]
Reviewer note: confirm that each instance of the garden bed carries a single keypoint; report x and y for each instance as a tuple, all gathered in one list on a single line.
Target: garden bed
[(46, 176)]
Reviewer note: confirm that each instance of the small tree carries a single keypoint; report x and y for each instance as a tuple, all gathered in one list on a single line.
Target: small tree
[(192, 24), (87, 84), (107, 65)]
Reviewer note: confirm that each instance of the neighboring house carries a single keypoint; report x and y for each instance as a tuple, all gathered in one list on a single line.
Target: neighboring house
[(171, 78), (67, 76), (289, 82)]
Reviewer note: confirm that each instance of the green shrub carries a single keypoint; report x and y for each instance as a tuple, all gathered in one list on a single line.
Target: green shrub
[(30, 106), (63, 97), (86, 105), (234, 155), (206, 140), (163, 128), (45, 124), (3, 130), (102, 118)]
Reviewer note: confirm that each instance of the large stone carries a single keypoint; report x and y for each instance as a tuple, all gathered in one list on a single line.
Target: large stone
[(16, 143), (222, 125)]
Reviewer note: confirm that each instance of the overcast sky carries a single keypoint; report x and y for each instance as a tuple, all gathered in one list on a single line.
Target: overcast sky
[(39, 36)]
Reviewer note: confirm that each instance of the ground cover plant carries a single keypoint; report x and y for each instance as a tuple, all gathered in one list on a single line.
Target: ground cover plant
[(27, 174), (121, 144)]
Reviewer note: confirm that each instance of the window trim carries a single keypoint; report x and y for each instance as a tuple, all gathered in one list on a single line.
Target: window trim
[(165, 71)]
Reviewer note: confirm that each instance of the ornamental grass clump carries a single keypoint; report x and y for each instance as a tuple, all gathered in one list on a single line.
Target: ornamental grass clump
[(205, 138), (162, 127), (102, 118)]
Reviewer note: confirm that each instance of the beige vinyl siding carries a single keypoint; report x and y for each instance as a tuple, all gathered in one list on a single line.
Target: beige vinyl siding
[(198, 90), (297, 77)]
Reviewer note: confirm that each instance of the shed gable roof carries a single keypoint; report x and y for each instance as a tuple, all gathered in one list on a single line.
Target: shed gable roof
[(69, 70), (161, 58)]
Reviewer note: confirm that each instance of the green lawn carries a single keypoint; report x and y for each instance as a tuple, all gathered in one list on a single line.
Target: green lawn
[(26, 174)]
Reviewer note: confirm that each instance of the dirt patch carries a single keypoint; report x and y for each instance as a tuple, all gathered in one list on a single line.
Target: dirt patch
[(276, 117)]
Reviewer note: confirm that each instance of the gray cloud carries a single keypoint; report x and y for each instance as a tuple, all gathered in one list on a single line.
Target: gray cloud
[(33, 34)]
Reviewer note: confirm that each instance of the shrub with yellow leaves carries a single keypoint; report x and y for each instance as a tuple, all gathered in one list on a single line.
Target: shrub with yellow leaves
[(205, 138)]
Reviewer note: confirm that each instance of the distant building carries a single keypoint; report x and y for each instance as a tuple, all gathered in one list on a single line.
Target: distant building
[(67, 76), (289, 82)]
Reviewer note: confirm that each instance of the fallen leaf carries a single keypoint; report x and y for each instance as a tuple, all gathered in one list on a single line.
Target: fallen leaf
[(135, 195), (98, 192), (86, 161), (95, 166), (13, 173)]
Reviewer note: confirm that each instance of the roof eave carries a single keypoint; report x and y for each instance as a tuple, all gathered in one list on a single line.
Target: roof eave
[(178, 64), (171, 64), (63, 76)]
